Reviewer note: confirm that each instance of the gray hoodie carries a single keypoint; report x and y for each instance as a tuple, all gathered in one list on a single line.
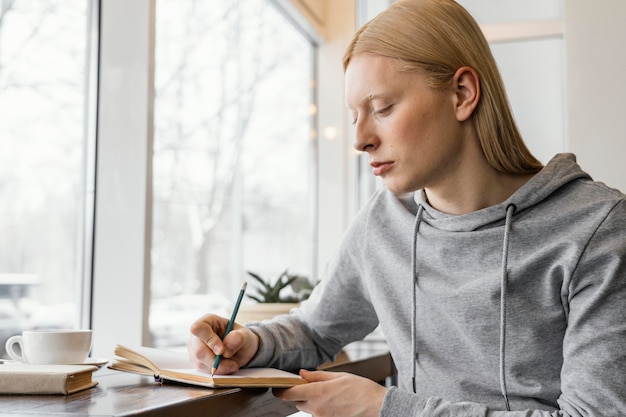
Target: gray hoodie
[(518, 306)]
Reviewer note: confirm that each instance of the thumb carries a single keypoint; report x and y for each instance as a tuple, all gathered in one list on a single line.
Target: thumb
[(215, 344), (317, 376), (232, 343)]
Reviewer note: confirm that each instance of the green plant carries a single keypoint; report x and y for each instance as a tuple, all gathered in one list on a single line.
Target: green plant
[(272, 291)]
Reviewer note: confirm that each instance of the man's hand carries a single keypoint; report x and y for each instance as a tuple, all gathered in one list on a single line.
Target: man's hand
[(335, 394), (205, 342)]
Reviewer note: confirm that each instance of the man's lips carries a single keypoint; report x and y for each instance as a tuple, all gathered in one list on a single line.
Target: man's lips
[(379, 168)]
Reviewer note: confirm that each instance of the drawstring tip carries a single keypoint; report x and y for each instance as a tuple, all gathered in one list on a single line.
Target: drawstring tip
[(506, 403)]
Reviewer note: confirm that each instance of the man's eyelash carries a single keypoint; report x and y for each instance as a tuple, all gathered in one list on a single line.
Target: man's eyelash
[(384, 110)]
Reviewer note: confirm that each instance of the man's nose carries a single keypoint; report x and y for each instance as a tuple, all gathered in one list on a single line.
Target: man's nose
[(364, 136)]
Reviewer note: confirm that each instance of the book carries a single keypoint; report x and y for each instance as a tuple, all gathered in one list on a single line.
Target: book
[(20, 378), (167, 365)]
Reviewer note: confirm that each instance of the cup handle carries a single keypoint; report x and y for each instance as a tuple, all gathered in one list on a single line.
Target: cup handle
[(10, 348)]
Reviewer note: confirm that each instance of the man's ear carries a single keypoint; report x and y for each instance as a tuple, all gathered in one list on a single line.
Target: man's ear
[(466, 84)]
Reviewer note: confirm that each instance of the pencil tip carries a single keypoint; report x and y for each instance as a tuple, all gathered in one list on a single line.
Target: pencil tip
[(213, 372), (244, 285)]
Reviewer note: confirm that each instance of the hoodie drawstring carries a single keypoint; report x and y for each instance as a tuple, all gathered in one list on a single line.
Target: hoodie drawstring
[(510, 209), (416, 226)]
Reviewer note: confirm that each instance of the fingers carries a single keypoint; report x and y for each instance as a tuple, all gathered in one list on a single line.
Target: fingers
[(316, 376), (305, 392), (206, 329), (230, 353), (205, 342), (335, 393), (199, 354), (303, 396)]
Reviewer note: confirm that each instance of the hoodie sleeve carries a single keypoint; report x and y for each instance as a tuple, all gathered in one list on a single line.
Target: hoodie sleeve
[(593, 377), (338, 312)]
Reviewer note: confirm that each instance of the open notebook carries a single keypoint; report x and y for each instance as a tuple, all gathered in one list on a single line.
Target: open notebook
[(176, 366)]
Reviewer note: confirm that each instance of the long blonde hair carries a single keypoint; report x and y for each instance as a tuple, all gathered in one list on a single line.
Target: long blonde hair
[(438, 37)]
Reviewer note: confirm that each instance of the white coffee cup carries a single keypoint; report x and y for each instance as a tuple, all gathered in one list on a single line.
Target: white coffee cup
[(51, 346)]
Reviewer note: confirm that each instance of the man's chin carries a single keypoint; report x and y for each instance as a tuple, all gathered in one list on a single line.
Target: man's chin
[(399, 190)]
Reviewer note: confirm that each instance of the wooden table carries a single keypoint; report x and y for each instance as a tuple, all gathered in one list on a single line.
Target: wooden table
[(123, 394)]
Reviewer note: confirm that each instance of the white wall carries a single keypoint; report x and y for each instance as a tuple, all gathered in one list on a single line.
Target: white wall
[(595, 38)]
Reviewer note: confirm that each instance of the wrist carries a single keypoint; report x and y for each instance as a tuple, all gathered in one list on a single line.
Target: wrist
[(264, 347)]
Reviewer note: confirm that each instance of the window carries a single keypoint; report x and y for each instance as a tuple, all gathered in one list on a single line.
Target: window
[(46, 186), (233, 159)]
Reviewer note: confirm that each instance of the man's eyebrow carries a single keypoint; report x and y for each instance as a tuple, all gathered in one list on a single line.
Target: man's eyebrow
[(367, 99), (372, 96)]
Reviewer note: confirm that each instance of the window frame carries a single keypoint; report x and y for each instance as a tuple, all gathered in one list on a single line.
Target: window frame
[(120, 287), (120, 280), (89, 165)]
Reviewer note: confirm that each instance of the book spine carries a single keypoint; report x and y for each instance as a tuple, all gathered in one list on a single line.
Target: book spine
[(20, 383)]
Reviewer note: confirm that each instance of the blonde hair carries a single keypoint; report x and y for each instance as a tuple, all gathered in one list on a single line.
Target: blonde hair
[(437, 37)]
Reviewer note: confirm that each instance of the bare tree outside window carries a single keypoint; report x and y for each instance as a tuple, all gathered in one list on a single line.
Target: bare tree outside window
[(232, 154), (43, 49)]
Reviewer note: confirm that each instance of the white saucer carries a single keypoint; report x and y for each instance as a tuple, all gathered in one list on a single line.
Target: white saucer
[(94, 361), (89, 361)]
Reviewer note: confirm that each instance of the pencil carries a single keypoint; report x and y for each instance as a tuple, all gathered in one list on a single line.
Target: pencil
[(230, 324)]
